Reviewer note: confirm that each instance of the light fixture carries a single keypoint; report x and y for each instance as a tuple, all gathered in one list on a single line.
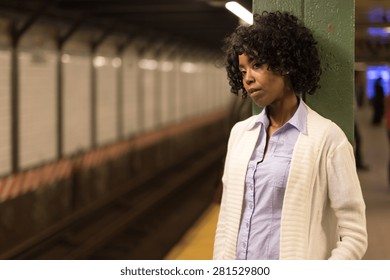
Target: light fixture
[(148, 64), (240, 11), (99, 61), (116, 62), (65, 58), (166, 66), (378, 31), (188, 67)]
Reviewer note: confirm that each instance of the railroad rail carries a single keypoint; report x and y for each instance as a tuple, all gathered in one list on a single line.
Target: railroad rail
[(142, 219)]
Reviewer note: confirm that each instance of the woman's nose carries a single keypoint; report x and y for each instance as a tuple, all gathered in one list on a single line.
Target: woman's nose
[(248, 79)]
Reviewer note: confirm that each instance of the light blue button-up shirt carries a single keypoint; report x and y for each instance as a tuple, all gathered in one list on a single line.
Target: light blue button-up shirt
[(265, 183)]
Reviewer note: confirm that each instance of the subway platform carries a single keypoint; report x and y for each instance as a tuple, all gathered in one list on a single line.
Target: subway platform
[(197, 243)]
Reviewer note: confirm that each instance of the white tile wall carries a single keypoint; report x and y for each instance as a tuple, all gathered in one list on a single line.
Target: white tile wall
[(77, 103), (186, 93), (180, 83), (106, 108), (224, 92), (168, 93), (5, 111), (213, 93), (196, 93), (177, 97), (149, 101), (157, 98), (180, 95), (37, 85), (130, 92), (204, 94)]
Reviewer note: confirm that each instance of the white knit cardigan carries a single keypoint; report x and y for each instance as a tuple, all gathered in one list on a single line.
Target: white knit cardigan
[(323, 215)]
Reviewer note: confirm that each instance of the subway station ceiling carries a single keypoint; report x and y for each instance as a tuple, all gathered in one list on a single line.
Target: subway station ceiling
[(201, 23)]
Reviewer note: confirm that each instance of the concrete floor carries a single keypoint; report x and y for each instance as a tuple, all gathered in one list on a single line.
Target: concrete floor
[(375, 186), (197, 244)]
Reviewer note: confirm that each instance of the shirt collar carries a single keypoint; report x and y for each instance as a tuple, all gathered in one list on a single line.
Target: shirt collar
[(298, 120)]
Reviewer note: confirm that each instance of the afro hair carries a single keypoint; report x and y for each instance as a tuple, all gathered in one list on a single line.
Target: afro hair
[(280, 40)]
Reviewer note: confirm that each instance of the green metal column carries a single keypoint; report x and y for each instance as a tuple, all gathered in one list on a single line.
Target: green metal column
[(332, 23)]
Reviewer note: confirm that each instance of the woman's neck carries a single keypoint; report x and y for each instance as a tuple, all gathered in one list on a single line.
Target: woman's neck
[(282, 112)]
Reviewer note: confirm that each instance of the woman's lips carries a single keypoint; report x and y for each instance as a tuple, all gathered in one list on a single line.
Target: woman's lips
[(254, 91)]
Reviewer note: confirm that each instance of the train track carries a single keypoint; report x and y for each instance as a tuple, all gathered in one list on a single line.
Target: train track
[(140, 222)]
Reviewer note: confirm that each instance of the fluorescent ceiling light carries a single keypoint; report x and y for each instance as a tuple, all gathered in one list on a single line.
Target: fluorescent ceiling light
[(379, 31), (99, 61), (240, 11), (148, 64), (188, 67)]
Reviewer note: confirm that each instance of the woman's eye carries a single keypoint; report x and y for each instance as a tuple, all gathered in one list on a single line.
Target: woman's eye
[(243, 73), (257, 65)]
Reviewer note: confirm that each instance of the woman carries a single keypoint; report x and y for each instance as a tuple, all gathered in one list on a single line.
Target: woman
[(290, 188)]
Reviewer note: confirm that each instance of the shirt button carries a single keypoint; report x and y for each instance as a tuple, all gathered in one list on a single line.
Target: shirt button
[(251, 206), (247, 225)]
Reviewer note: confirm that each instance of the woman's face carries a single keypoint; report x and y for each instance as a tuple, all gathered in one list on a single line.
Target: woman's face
[(262, 85)]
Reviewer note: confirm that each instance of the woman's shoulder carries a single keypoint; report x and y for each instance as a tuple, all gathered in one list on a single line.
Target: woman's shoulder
[(245, 124), (327, 127), (239, 128)]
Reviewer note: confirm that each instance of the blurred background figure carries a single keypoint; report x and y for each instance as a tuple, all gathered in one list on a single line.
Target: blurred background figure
[(359, 100), (378, 102), (359, 91), (358, 155), (387, 117)]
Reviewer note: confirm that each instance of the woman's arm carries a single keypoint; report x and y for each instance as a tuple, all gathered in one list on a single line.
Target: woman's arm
[(346, 200)]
